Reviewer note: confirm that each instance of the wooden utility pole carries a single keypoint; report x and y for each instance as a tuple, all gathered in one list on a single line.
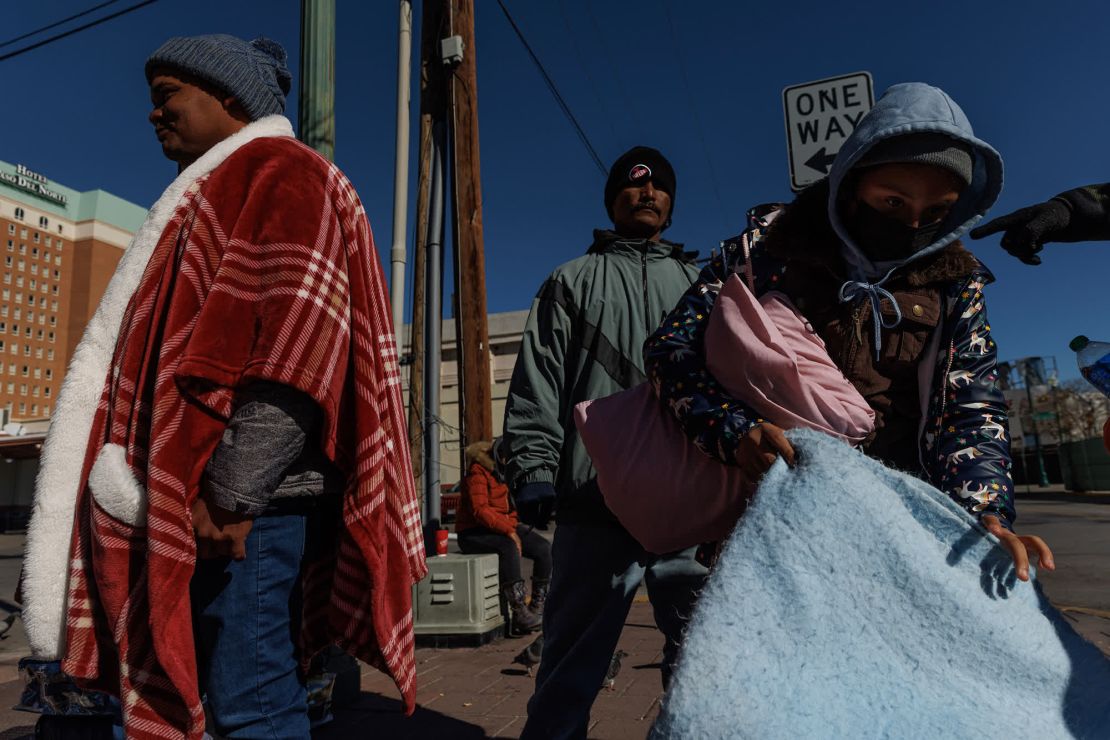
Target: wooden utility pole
[(471, 328), (431, 109)]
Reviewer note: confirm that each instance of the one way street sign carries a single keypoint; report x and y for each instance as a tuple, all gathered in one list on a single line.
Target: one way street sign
[(820, 115)]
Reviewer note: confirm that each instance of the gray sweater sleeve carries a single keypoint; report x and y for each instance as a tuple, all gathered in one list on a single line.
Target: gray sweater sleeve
[(266, 434)]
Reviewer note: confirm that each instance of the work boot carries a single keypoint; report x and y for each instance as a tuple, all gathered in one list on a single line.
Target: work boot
[(539, 595), (521, 620)]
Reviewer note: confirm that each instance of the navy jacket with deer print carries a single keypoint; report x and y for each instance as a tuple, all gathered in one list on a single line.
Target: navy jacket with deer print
[(931, 376)]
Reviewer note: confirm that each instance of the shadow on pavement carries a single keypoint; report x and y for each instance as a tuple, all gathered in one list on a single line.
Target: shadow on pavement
[(18, 733), (374, 715)]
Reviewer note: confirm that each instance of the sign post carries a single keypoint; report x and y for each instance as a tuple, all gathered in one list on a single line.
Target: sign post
[(820, 116)]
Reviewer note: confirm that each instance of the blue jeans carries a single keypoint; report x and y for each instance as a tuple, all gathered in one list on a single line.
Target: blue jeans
[(246, 616), (596, 571)]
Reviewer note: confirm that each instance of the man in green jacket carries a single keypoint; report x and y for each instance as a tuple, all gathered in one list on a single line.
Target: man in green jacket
[(584, 340)]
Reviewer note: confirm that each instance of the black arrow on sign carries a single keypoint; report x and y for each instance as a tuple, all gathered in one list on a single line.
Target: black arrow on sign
[(821, 161)]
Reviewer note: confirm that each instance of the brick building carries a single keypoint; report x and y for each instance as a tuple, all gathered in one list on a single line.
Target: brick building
[(59, 247)]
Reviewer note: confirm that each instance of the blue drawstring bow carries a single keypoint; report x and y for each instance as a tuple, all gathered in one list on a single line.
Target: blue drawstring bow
[(853, 289)]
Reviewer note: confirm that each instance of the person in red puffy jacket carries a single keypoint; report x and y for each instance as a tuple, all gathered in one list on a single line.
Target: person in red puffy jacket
[(487, 522)]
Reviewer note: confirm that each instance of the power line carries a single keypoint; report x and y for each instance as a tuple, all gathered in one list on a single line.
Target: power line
[(72, 31), (554, 91), (55, 24), (694, 111), (586, 69)]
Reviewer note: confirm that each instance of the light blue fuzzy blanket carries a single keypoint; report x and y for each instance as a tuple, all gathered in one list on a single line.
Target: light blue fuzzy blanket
[(853, 601)]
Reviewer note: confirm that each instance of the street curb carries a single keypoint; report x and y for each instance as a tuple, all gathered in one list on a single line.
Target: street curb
[(1096, 497)]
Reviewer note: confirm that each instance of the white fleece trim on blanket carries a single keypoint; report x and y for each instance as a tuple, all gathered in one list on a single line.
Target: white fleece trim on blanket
[(49, 535), (114, 487)]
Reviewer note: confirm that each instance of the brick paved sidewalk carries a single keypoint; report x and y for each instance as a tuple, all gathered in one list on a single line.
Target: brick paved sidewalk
[(479, 693), (465, 693)]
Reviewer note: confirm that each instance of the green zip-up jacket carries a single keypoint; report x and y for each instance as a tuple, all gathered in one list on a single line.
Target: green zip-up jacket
[(584, 340)]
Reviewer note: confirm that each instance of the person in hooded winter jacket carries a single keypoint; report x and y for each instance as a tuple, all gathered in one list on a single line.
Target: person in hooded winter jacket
[(871, 257), (487, 522), (1077, 215), (583, 341)]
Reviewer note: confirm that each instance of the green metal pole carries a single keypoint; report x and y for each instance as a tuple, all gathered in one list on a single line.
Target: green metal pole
[(316, 122)]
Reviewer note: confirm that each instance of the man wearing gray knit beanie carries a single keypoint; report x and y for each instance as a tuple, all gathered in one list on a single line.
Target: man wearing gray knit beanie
[(205, 88), (242, 500)]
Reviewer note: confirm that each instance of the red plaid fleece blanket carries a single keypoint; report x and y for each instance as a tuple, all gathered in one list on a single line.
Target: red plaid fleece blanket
[(266, 270)]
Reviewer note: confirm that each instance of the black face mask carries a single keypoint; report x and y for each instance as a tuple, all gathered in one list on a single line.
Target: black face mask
[(886, 239)]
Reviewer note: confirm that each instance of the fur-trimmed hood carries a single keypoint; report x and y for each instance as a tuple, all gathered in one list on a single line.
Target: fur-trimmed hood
[(802, 233), (481, 453)]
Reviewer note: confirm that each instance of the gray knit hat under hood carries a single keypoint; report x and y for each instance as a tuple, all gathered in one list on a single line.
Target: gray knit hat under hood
[(253, 72), (926, 147)]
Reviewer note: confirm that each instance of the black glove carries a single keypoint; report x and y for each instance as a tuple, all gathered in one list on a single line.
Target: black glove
[(534, 504), (1027, 229)]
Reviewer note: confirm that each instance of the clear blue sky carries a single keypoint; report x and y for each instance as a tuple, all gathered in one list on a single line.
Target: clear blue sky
[(700, 81)]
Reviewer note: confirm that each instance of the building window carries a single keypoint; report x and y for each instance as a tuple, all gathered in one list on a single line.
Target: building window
[(53, 305), (23, 233), (11, 230), (35, 391), (59, 228), (22, 248), (34, 251), (38, 334), (34, 269), (35, 237), (11, 387), (44, 222), (3, 310), (15, 348), (26, 350), (46, 391), (38, 353), (54, 290), (21, 264), (19, 281), (15, 329), (11, 245), (46, 411), (51, 336), (57, 274), (19, 214), (50, 354), (58, 258), (6, 294), (27, 333), (7, 278), (49, 241), (42, 318), (23, 389), (8, 261), (18, 312), (53, 320), (34, 409), (37, 373), (25, 371), (49, 373)]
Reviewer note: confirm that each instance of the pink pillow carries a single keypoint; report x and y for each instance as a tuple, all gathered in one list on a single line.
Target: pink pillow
[(764, 353), (665, 491)]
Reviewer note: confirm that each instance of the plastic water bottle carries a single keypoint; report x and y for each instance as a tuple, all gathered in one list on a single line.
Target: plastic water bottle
[(1094, 362)]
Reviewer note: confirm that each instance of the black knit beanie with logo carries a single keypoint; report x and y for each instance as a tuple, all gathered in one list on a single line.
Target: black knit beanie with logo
[(637, 165)]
